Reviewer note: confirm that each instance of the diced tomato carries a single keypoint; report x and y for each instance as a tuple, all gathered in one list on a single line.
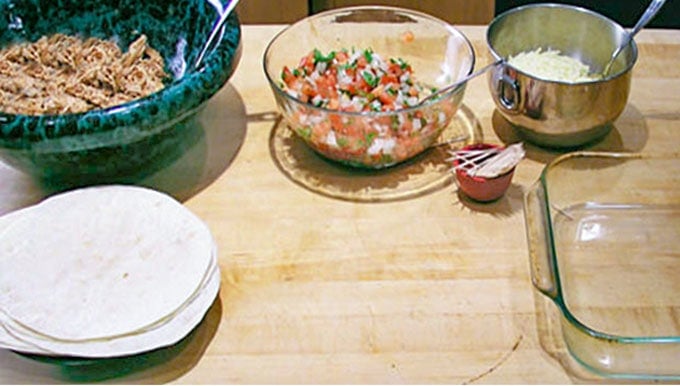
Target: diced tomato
[(307, 92), (326, 86), (386, 99), (341, 57), (288, 77), (333, 103), (390, 79), (372, 85), (307, 64), (320, 132), (408, 37), (395, 69), (336, 122)]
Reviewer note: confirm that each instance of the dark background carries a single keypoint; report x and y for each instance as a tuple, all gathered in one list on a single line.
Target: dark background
[(625, 12)]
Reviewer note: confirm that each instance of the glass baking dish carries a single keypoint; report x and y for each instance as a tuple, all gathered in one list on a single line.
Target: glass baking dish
[(604, 245)]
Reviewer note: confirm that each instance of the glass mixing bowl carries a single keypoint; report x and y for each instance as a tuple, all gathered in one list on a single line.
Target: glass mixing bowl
[(439, 54)]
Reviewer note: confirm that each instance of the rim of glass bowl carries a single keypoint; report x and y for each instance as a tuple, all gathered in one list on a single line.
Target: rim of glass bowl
[(210, 72), (452, 30)]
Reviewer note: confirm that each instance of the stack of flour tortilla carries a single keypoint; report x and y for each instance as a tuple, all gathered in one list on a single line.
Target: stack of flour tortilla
[(103, 272)]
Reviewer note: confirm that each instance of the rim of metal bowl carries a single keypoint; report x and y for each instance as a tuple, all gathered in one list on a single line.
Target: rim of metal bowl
[(584, 10), (452, 30)]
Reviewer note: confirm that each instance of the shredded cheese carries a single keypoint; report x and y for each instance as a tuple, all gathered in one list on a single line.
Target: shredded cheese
[(552, 65)]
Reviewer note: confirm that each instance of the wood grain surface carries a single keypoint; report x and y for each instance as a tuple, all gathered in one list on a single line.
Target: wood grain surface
[(316, 289)]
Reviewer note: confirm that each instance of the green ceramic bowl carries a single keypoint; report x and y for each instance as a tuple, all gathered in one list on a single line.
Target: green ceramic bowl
[(128, 141)]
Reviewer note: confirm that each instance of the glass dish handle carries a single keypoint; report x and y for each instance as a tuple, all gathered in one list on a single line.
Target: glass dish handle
[(541, 249)]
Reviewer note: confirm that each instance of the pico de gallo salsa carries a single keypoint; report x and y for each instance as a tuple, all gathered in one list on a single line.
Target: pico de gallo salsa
[(362, 107)]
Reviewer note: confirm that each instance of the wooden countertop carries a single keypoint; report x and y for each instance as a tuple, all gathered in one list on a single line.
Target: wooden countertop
[(424, 288)]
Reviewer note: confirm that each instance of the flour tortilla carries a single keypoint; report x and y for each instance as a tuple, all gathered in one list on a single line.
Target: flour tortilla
[(9, 340), (166, 334), (101, 262)]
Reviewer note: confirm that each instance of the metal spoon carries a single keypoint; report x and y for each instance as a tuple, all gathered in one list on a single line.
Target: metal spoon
[(450, 87), (646, 17), (213, 33)]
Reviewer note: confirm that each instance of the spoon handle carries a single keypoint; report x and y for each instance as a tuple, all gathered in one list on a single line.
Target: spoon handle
[(651, 11), (450, 87), (215, 30), (646, 17)]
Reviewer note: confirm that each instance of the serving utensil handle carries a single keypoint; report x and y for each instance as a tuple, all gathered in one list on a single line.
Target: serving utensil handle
[(217, 27), (651, 11), (646, 17), (539, 236)]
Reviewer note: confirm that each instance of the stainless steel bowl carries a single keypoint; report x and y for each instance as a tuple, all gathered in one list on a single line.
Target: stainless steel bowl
[(552, 113)]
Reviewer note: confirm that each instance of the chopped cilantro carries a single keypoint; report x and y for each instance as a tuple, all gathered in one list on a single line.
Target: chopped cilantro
[(305, 132), (369, 138), (368, 54), (394, 124), (319, 57), (370, 79), (342, 141), (386, 158), (400, 62)]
